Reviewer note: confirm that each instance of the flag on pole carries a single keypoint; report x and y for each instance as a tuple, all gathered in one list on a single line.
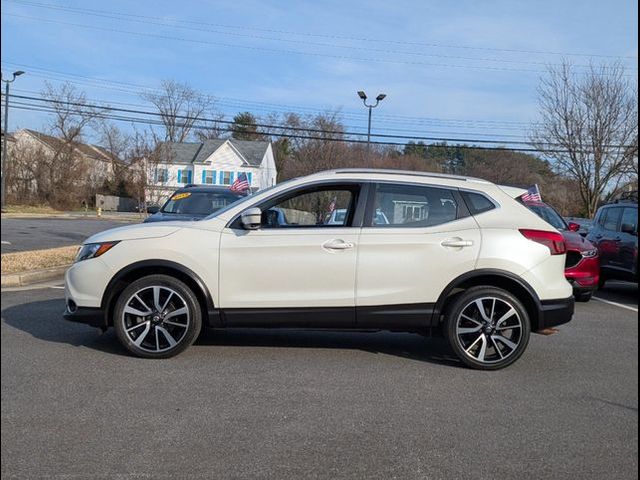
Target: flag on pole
[(532, 195), (241, 184)]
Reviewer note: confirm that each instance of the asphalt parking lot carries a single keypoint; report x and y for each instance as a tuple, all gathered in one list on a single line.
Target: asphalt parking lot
[(313, 404), (20, 234)]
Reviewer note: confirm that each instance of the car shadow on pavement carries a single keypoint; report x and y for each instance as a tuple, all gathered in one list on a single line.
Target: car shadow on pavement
[(404, 345), (43, 320)]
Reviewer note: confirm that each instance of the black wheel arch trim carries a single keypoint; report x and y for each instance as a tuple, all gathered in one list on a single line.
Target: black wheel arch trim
[(446, 293), (110, 290)]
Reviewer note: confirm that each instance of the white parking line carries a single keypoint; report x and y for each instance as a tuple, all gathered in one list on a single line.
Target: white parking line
[(4, 242), (627, 307)]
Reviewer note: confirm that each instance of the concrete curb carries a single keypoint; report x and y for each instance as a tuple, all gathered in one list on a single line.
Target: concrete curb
[(30, 277)]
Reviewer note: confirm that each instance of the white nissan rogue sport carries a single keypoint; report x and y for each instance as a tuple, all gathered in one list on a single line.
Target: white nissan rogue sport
[(454, 255)]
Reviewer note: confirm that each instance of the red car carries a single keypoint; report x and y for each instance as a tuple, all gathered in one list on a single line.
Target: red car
[(582, 267)]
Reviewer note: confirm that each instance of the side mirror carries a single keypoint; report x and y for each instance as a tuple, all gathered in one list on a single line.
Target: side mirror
[(629, 228), (251, 218), (574, 227)]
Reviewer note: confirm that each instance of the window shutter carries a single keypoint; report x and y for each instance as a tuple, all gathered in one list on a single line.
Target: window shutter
[(155, 176), (249, 174), (204, 176), (221, 178), (214, 180), (230, 178), (179, 176), (189, 176)]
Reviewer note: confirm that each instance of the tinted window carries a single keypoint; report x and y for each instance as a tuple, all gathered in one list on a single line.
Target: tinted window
[(413, 206), (549, 215), (611, 218), (318, 207), (630, 217), (477, 203), (198, 203)]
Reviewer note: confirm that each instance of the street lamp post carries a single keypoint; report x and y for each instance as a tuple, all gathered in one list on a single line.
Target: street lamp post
[(5, 157), (379, 98)]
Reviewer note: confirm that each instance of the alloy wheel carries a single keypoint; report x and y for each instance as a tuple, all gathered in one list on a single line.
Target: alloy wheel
[(489, 330), (156, 318)]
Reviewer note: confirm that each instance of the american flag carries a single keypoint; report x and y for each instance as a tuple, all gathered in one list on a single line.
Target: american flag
[(241, 185), (532, 195)]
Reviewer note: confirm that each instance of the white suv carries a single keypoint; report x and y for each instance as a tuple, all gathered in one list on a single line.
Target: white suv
[(453, 255)]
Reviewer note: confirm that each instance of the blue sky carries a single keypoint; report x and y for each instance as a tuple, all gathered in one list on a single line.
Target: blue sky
[(463, 68)]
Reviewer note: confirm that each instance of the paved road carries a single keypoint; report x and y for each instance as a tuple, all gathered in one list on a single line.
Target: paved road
[(293, 404), (38, 233)]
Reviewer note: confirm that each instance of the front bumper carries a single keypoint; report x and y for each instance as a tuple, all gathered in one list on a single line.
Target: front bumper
[(555, 312)]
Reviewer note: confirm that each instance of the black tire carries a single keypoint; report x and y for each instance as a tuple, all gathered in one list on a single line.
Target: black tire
[(180, 328), (601, 282), (465, 345), (583, 297)]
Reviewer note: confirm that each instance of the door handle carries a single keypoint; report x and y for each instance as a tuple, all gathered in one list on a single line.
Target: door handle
[(337, 244), (457, 242)]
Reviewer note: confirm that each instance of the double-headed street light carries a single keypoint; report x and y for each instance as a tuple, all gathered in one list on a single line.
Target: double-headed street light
[(379, 98), (6, 138)]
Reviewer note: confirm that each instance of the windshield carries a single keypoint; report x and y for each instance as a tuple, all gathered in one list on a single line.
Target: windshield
[(549, 215), (198, 203)]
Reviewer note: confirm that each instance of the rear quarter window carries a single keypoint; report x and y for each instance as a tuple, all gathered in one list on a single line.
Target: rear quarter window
[(477, 203)]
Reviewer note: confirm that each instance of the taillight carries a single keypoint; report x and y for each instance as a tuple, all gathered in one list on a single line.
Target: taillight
[(552, 240)]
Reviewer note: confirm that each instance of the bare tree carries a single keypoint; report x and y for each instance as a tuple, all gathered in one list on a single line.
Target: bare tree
[(588, 127), (145, 156), (180, 108), (214, 126)]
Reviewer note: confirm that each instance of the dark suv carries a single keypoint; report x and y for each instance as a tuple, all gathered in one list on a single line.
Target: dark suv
[(615, 234)]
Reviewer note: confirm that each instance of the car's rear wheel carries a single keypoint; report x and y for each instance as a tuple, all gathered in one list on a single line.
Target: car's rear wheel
[(157, 317), (488, 328)]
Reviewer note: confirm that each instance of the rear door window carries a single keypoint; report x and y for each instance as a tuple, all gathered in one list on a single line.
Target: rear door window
[(413, 206), (630, 217)]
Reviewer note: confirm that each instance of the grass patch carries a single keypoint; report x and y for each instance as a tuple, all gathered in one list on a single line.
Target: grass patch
[(30, 209), (17, 262)]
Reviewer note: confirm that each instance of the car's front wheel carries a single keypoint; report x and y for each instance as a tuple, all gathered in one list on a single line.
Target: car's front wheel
[(157, 317), (488, 328)]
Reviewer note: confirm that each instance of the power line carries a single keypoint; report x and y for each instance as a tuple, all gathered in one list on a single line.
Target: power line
[(171, 24), (316, 35), (286, 129), (270, 107), (276, 50), (288, 135)]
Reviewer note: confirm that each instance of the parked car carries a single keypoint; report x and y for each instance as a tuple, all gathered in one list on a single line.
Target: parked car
[(193, 202), (458, 256), (615, 234), (148, 207), (582, 267), (584, 223), (337, 217)]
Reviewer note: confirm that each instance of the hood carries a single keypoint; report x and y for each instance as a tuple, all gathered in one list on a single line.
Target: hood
[(136, 232), (576, 242), (168, 217)]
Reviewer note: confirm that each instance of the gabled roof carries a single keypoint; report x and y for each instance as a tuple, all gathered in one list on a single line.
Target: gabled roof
[(184, 153), (94, 152)]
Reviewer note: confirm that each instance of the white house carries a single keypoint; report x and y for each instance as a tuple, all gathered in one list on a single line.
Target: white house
[(213, 162)]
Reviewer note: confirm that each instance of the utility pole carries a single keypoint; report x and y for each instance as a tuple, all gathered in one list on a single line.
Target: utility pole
[(379, 98), (5, 152)]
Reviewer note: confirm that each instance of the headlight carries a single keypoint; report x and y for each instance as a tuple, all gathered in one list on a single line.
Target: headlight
[(590, 253), (93, 250)]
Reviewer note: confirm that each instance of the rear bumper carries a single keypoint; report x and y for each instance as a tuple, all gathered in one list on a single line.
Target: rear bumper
[(555, 312), (94, 317)]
